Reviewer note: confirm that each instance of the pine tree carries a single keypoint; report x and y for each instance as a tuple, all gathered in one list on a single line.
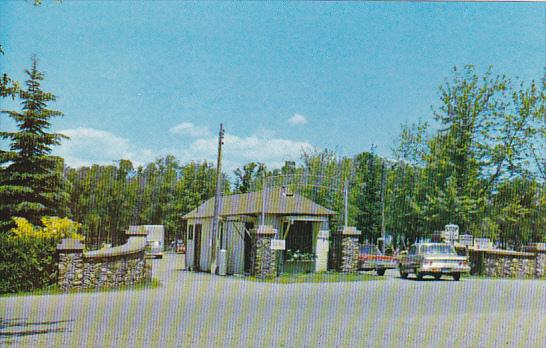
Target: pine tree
[(31, 181)]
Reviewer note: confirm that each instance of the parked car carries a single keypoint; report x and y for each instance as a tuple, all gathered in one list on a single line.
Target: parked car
[(371, 258), (435, 259), (180, 247)]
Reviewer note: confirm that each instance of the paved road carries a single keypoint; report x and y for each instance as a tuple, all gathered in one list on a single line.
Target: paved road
[(202, 310)]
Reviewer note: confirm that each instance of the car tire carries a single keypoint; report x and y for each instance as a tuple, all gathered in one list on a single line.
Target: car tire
[(419, 275), (381, 271), (437, 276), (456, 276)]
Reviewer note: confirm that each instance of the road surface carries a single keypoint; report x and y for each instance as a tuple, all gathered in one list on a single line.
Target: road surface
[(197, 309)]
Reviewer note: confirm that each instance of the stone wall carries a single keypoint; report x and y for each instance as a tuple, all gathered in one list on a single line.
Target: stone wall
[(112, 267), (349, 249), (264, 260), (349, 255), (507, 264)]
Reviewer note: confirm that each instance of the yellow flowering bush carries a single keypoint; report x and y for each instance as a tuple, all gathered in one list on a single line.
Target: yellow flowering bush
[(54, 228)]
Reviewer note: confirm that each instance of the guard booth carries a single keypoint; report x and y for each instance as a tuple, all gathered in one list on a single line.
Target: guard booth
[(296, 219)]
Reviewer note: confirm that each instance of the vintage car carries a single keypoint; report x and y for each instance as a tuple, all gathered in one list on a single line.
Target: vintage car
[(435, 259), (371, 259)]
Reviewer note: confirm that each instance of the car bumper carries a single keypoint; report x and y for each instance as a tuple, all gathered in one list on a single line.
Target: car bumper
[(370, 266), (444, 270)]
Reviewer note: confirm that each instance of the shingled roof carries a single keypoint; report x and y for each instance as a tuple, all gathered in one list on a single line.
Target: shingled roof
[(277, 203)]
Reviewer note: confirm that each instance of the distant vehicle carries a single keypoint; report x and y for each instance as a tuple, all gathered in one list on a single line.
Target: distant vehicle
[(154, 249), (180, 247), (435, 259), (155, 237), (371, 258)]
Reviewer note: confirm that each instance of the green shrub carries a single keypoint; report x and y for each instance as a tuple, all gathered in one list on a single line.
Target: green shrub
[(26, 264)]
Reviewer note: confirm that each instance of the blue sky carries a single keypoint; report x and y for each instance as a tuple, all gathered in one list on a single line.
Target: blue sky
[(140, 80)]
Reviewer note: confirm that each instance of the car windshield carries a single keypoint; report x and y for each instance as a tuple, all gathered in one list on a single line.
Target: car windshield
[(438, 249), (369, 249)]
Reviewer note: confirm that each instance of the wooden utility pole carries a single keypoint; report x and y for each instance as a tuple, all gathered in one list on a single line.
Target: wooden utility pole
[(346, 202), (217, 198), (383, 206)]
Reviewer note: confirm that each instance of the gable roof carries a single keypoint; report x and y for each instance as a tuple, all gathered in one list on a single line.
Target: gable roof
[(277, 203)]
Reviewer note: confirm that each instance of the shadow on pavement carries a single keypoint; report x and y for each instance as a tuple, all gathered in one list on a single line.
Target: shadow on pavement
[(427, 279), (20, 327)]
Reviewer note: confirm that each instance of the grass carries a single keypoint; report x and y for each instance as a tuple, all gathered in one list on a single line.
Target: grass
[(327, 277), (55, 290)]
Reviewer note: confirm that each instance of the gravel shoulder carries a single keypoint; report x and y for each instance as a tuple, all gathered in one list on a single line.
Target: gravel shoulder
[(192, 309)]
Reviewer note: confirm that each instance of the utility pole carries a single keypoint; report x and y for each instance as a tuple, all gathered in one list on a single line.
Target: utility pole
[(346, 200), (217, 199), (383, 206), (263, 198)]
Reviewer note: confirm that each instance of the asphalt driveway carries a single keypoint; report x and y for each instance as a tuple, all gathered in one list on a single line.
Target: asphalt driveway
[(201, 310)]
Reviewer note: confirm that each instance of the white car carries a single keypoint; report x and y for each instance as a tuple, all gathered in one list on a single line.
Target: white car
[(435, 259)]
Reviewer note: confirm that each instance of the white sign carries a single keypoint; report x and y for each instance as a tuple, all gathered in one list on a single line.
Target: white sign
[(323, 234), (451, 232), (465, 239), (482, 243), (541, 246), (278, 244)]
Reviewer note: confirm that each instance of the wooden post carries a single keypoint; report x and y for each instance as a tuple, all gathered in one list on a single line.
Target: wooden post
[(217, 198)]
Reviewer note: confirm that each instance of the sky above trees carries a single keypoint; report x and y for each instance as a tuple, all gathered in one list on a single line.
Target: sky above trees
[(138, 81)]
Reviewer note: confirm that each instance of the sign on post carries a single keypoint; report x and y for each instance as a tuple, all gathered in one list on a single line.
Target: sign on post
[(466, 239), (482, 243), (451, 232), (278, 244)]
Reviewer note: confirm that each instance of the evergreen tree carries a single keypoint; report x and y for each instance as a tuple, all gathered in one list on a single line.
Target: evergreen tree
[(31, 181)]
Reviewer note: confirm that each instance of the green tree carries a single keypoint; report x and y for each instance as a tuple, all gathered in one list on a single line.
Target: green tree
[(367, 189), (31, 181), (249, 177), (8, 86)]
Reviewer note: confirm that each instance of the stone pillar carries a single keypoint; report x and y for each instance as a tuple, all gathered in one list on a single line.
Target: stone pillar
[(323, 246), (264, 263), (349, 249), (540, 264), (70, 267)]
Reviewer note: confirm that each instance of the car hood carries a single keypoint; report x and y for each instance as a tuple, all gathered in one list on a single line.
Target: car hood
[(445, 257), (376, 257)]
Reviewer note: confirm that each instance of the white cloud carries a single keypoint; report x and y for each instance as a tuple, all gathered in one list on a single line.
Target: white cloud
[(94, 146), (240, 150), (88, 146), (189, 129), (297, 119)]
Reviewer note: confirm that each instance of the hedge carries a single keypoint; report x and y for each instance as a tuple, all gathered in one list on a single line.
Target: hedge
[(26, 264)]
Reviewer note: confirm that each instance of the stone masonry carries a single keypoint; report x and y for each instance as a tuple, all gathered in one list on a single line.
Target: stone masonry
[(350, 249), (508, 264), (113, 267), (264, 263)]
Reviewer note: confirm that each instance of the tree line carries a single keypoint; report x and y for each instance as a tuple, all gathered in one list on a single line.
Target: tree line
[(479, 163)]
